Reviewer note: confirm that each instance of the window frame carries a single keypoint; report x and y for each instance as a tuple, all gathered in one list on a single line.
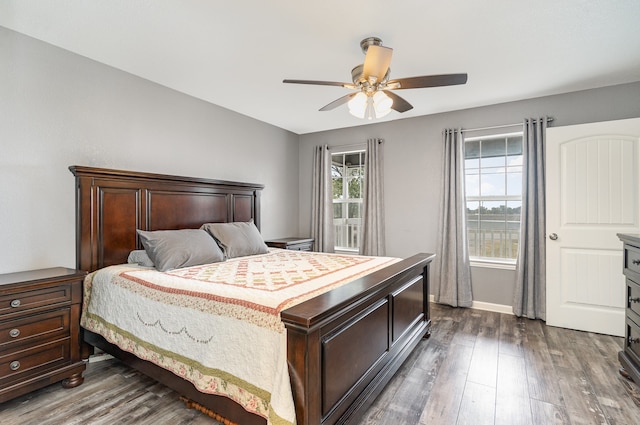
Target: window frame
[(345, 150), (492, 262)]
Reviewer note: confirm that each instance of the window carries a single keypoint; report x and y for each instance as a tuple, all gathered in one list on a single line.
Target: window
[(493, 185), (347, 173)]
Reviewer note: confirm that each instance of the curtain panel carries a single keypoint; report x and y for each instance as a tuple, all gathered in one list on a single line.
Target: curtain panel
[(452, 283), (322, 201), (530, 290), (372, 240)]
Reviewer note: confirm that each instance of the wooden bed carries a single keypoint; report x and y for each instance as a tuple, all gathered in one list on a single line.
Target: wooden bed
[(371, 325)]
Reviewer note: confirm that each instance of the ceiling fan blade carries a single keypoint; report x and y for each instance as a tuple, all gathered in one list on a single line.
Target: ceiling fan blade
[(376, 62), (340, 101), (319, 83), (399, 104), (427, 81)]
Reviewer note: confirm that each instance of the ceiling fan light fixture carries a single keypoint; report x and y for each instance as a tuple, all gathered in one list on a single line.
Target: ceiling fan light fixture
[(382, 103), (358, 105), (371, 106)]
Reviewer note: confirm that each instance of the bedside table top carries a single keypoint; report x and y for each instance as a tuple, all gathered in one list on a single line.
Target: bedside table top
[(41, 274), (290, 240)]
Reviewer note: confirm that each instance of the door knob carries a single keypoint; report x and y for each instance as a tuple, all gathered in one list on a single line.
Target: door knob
[(553, 236)]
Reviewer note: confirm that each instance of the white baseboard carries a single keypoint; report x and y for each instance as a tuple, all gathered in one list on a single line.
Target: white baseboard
[(99, 357), (481, 305), (497, 308)]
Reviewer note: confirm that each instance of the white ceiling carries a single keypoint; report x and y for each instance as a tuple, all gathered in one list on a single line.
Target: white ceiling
[(236, 53)]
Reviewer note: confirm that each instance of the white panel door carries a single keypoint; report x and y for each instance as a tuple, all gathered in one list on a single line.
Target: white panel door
[(593, 193)]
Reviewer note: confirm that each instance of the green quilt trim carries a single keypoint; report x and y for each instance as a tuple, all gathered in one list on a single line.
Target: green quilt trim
[(209, 371)]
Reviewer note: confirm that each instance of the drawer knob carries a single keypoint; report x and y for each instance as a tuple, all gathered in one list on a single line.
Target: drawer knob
[(634, 340), (14, 333), (14, 365), (15, 303), (636, 261), (634, 300)]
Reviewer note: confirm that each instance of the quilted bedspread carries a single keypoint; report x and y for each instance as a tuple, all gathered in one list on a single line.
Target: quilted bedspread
[(218, 325)]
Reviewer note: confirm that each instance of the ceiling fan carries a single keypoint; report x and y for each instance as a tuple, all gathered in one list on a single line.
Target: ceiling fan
[(373, 97)]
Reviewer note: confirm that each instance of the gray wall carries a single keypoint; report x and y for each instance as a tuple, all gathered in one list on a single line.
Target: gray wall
[(413, 151), (59, 109)]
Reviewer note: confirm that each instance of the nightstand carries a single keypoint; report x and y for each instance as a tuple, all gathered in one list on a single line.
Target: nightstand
[(295, 244), (40, 330)]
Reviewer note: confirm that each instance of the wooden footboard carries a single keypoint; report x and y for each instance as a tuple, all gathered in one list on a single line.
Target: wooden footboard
[(344, 346)]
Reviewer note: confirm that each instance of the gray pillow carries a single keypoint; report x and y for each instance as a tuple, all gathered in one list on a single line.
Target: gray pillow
[(174, 249), (237, 239), (140, 257)]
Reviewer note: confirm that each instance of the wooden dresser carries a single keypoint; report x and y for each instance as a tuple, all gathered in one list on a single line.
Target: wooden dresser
[(296, 244), (40, 330), (630, 356)]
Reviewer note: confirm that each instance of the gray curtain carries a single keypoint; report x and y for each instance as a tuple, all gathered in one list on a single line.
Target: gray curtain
[(322, 200), (372, 240), (452, 283), (530, 291)]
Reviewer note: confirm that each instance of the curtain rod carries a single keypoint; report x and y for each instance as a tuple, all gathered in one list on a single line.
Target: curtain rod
[(357, 146), (354, 146), (549, 119)]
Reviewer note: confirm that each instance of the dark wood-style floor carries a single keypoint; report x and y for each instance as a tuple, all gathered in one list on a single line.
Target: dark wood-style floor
[(477, 368)]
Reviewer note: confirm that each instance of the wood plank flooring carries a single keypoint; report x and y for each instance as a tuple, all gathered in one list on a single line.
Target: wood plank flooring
[(477, 368)]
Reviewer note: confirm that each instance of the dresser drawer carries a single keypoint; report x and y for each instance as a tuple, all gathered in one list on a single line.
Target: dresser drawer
[(34, 328), (34, 360), (632, 343), (631, 259), (16, 302), (633, 300)]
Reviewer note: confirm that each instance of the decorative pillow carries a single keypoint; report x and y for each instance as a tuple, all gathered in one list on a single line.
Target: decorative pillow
[(237, 239), (174, 249), (140, 257)]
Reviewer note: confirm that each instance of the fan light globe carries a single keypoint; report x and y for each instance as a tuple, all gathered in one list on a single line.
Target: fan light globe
[(358, 105), (382, 104)]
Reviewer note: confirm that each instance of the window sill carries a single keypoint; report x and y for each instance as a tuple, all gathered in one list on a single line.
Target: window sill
[(346, 251), (493, 264)]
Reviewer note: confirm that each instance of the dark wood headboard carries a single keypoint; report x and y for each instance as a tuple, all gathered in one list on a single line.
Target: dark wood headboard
[(112, 204)]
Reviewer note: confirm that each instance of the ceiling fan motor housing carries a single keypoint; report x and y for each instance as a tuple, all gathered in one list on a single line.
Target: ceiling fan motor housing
[(369, 41), (357, 76)]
